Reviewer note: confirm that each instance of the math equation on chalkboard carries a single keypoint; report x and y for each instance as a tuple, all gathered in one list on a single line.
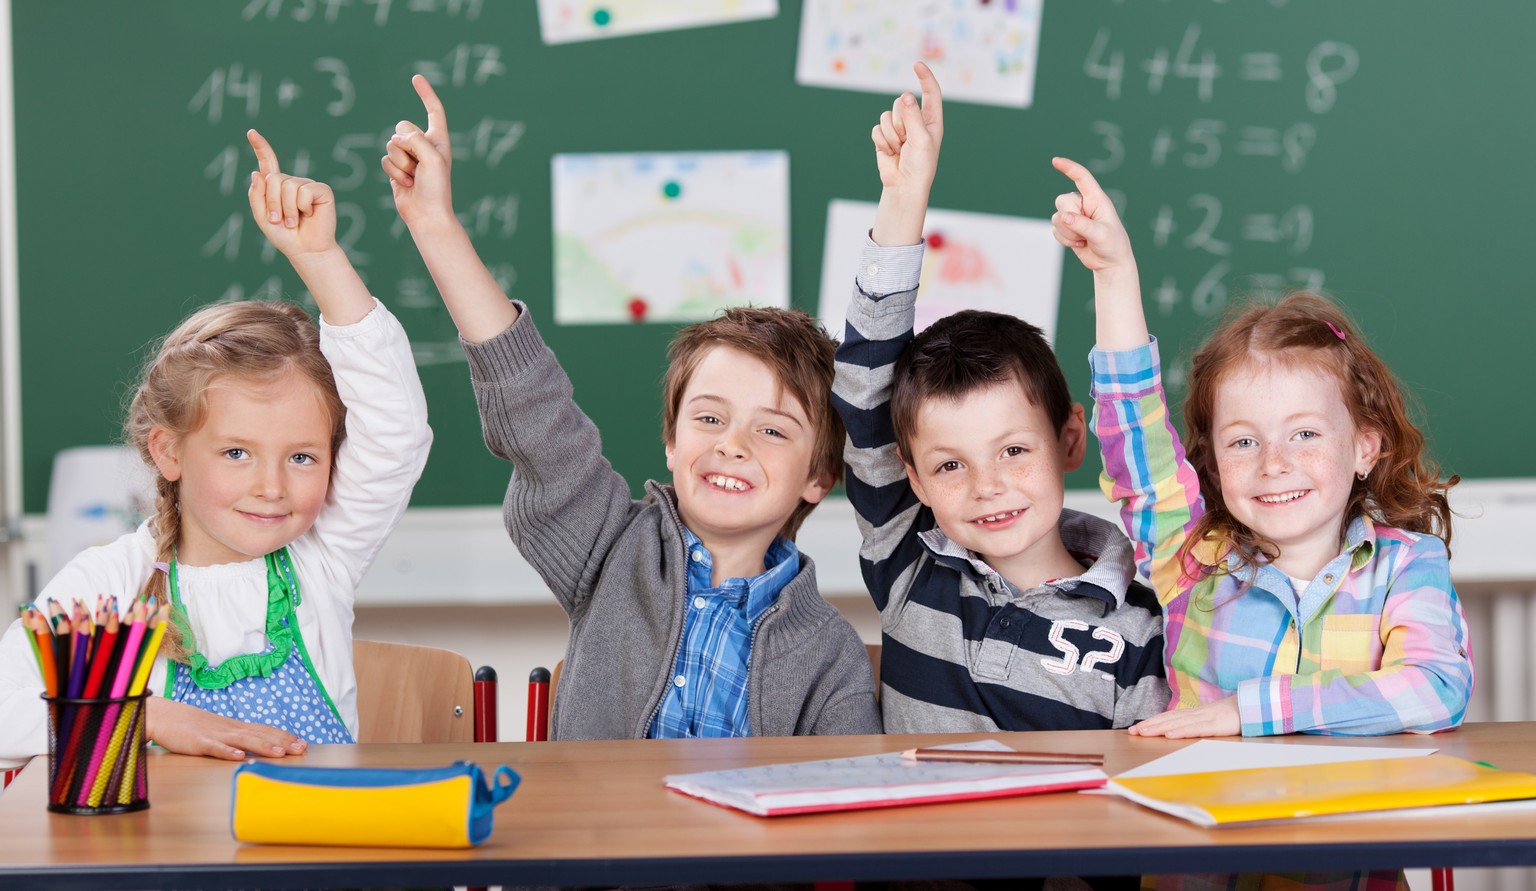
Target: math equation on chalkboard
[(1213, 113)]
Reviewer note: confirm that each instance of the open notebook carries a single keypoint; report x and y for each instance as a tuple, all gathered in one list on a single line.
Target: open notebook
[(870, 781)]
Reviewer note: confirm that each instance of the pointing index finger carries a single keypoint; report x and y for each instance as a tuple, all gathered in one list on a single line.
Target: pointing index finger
[(437, 119), (266, 158), (933, 99), (1087, 186)]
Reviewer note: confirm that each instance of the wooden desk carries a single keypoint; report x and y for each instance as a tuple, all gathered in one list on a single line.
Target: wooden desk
[(595, 813)]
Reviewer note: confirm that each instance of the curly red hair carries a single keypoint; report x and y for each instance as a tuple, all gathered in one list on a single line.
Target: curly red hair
[(1403, 490)]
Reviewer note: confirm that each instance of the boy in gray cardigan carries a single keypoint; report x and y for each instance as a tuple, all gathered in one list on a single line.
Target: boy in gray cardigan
[(692, 612)]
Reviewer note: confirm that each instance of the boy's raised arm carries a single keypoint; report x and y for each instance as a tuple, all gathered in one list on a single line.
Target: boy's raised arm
[(298, 215), (419, 163), (907, 155), (1086, 222)]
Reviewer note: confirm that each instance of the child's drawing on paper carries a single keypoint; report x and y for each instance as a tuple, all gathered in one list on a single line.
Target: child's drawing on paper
[(671, 237), (972, 261), (562, 21), (983, 50)]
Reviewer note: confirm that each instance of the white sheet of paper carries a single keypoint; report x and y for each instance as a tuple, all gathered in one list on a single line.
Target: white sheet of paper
[(669, 237), (980, 52), (564, 21), (974, 261), (1210, 755)]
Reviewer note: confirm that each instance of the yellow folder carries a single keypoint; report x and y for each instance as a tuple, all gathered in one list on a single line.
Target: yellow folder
[(1281, 793)]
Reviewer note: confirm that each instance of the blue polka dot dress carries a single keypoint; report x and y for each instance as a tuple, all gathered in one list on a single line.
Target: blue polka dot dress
[(276, 686), (288, 699)]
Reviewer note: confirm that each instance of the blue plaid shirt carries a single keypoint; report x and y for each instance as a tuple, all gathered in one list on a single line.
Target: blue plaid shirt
[(708, 695)]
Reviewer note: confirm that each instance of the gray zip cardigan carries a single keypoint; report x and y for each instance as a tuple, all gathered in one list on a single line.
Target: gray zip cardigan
[(619, 568)]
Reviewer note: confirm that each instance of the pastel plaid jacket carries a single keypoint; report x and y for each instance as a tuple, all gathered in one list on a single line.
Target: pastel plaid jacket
[(1375, 644)]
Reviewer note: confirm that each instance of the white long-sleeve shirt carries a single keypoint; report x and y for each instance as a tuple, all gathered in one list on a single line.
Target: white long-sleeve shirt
[(377, 466)]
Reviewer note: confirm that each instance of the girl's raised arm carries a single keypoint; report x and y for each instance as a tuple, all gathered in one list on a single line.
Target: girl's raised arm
[(298, 215), (1086, 222)]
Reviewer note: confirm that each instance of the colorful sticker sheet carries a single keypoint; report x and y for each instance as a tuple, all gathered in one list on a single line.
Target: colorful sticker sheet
[(982, 51)]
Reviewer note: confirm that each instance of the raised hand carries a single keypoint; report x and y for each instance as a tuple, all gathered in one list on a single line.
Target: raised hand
[(297, 214), (908, 136), (1086, 221), (907, 141), (419, 162)]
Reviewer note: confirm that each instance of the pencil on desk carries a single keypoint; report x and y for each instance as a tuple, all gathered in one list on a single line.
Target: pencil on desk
[(997, 757)]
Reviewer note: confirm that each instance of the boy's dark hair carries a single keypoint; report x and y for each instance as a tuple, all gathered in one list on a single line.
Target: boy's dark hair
[(795, 348), (968, 351)]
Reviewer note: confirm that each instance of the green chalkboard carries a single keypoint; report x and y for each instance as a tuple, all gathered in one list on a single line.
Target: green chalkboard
[(1380, 147)]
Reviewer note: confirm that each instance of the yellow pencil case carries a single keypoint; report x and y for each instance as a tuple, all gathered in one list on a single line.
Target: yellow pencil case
[(440, 807)]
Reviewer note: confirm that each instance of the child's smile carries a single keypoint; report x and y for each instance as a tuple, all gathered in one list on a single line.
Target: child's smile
[(741, 453), (254, 476), (989, 464), (1287, 452), (998, 520), (728, 483)]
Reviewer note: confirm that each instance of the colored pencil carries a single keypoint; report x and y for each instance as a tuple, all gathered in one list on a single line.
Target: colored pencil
[(106, 642), (151, 648), (44, 636), (81, 645), (983, 755), (129, 660), (31, 636)]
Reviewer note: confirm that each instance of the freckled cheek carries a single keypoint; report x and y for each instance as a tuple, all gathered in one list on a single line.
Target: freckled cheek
[(1232, 472), (1030, 472), (946, 494), (1039, 481), (1322, 467)]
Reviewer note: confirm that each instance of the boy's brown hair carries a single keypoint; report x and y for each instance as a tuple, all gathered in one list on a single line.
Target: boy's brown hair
[(797, 350), (968, 351), (1403, 490)]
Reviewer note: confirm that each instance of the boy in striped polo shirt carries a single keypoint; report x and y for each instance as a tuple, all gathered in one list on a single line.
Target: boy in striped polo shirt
[(1000, 609)]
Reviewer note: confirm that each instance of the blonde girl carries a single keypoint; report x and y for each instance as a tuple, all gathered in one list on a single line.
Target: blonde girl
[(284, 456)]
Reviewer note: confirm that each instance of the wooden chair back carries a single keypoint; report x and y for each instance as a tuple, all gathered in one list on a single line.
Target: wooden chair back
[(409, 693)]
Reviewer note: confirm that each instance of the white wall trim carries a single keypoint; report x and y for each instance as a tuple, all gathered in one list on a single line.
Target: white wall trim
[(462, 555)]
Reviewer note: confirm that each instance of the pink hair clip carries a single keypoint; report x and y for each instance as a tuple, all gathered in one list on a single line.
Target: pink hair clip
[(164, 567), (1335, 330)]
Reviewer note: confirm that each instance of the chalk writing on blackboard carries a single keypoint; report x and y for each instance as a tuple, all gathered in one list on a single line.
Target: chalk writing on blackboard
[(1250, 247)]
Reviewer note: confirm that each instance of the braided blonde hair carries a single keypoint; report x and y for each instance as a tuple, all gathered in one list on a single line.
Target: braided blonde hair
[(252, 341)]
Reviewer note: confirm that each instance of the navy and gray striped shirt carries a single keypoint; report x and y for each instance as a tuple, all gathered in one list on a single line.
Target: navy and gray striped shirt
[(963, 649)]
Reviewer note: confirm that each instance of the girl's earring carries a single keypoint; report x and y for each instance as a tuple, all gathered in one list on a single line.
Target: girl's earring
[(1361, 476)]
